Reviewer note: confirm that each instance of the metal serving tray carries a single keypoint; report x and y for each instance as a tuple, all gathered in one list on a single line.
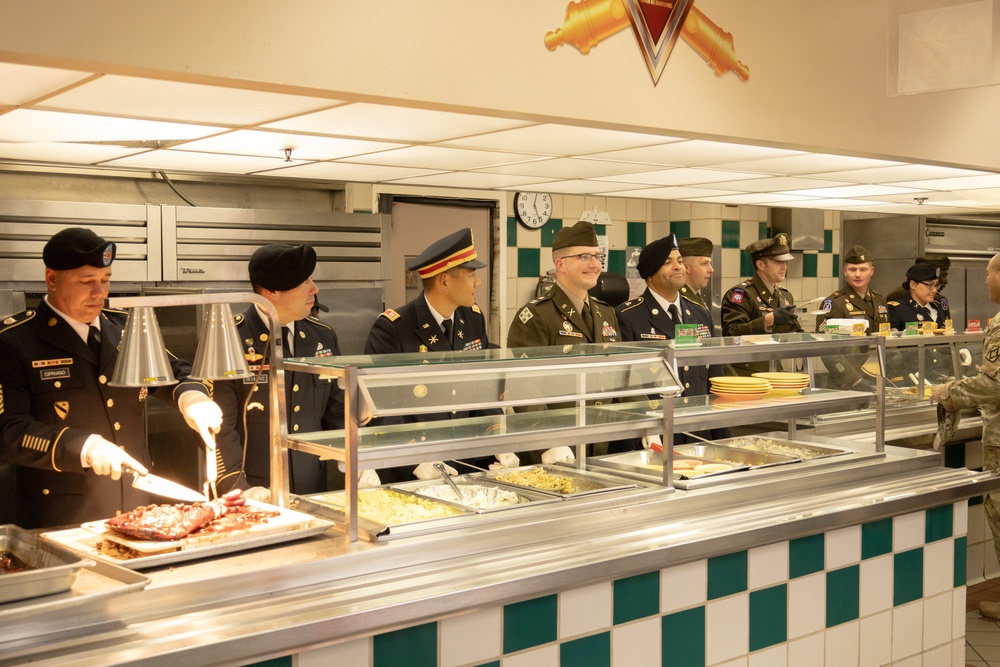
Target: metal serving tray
[(53, 569), (746, 457), (333, 502), (584, 482), (465, 482), (648, 463), (793, 448)]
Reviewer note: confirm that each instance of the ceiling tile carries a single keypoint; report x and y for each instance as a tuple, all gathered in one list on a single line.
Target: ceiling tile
[(695, 153), (671, 193), (358, 173), (198, 162), (437, 157), (271, 144), (964, 183), (810, 163), (176, 101), (62, 153), (558, 140), (376, 121), (753, 198), (472, 179), (570, 168), (582, 187), (681, 176), (855, 191), (902, 172), (780, 184), (24, 125), (21, 84)]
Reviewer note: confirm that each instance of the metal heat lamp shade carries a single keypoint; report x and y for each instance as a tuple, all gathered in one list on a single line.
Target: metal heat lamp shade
[(142, 358), (220, 353)]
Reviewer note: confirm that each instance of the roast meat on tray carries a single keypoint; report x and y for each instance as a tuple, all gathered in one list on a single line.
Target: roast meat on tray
[(165, 522)]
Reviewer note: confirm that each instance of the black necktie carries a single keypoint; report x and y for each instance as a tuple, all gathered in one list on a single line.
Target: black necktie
[(286, 340), (675, 314), (94, 341), (588, 319), (448, 329)]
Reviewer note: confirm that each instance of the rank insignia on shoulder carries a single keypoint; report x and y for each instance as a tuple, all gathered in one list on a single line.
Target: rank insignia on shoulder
[(892, 303), (390, 315), (993, 354), (422, 348), (475, 308), (828, 305)]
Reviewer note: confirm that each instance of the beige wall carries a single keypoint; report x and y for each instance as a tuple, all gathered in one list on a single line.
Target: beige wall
[(818, 67)]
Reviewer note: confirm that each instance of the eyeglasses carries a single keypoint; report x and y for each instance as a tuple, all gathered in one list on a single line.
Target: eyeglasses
[(933, 286), (587, 257)]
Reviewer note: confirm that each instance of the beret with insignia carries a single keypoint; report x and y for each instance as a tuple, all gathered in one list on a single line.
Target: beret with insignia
[(921, 272), (655, 254), (74, 247), (279, 267)]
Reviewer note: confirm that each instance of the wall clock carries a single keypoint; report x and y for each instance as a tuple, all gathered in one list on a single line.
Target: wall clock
[(532, 209)]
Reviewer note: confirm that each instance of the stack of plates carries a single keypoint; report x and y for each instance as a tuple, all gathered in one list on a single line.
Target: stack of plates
[(734, 388), (785, 384)]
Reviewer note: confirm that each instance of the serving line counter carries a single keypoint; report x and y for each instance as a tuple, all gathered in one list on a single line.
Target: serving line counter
[(840, 551)]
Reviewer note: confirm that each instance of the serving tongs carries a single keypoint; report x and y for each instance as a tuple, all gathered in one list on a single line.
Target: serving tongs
[(447, 478), (211, 468)]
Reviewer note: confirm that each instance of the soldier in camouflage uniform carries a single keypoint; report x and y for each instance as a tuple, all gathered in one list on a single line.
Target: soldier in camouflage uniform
[(983, 391), (760, 305)]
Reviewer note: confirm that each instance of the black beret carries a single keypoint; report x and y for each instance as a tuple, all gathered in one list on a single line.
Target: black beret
[(695, 247), (655, 254), (279, 267), (940, 261), (580, 234), (453, 250), (776, 248), (858, 255), (74, 247), (922, 272)]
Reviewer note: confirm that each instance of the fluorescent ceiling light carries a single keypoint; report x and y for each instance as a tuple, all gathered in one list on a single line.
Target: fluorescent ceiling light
[(438, 157), (695, 153), (198, 162), (559, 140), (24, 125), (271, 144), (338, 171), (20, 84)]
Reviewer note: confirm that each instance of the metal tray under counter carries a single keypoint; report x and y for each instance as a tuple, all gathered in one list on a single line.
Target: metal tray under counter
[(466, 482), (745, 457), (583, 482), (793, 448), (649, 464), (49, 568)]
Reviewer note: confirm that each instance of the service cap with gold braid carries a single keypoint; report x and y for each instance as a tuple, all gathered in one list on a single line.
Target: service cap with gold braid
[(453, 250), (580, 234), (775, 248), (858, 255)]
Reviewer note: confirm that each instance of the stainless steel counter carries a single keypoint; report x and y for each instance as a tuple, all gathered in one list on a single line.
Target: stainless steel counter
[(279, 600)]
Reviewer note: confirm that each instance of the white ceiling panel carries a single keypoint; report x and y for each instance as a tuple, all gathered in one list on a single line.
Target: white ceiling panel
[(23, 125), (20, 84), (472, 180), (63, 153), (376, 121), (902, 172), (172, 100), (845, 191), (569, 168), (681, 176), (198, 162), (780, 184), (810, 163), (753, 198), (271, 144), (670, 193), (357, 173), (964, 183), (696, 153), (438, 157), (583, 187), (559, 140)]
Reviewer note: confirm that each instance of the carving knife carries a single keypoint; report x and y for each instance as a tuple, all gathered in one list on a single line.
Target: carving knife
[(160, 486)]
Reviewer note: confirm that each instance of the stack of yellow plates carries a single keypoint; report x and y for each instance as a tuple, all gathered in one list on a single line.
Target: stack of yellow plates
[(735, 388), (785, 383)]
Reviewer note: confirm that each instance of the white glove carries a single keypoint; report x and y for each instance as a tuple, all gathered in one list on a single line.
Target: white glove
[(505, 460), (428, 471), (558, 455), (261, 494), (368, 479), (652, 442), (200, 412), (107, 458)]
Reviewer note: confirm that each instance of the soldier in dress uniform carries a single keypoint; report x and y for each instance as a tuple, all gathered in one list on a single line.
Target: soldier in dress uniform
[(940, 302), (982, 391), (853, 301), (568, 314), (282, 274), (697, 255), (662, 306), (918, 305), (761, 305), (65, 428), (444, 317)]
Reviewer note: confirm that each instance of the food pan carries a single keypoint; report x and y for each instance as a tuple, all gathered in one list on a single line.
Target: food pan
[(648, 462), (381, 507), (482, 493), (749, 458), (798, 450), (576, 482), (50, 568)]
